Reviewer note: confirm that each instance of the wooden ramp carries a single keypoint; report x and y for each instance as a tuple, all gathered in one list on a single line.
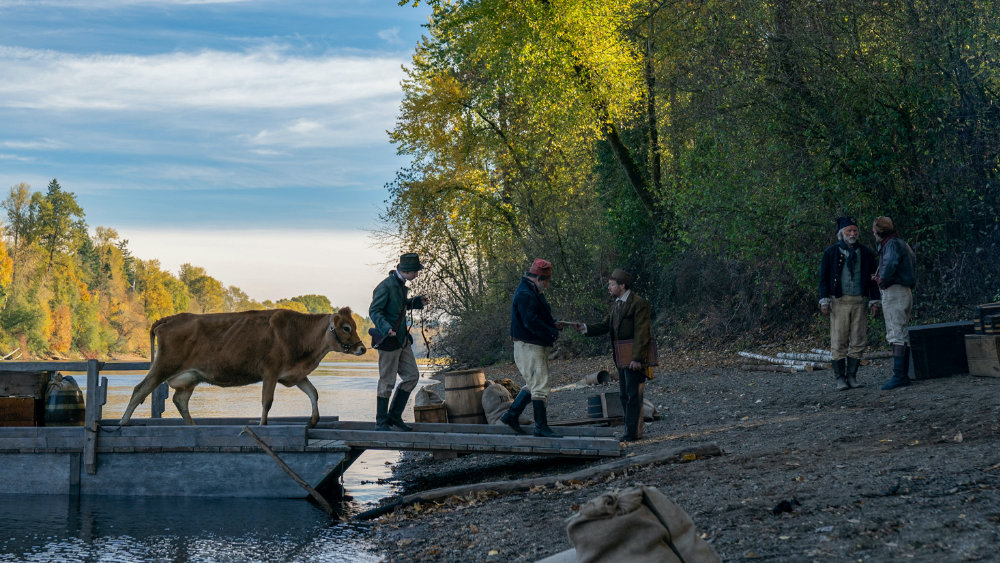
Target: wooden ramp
[(467, 438)]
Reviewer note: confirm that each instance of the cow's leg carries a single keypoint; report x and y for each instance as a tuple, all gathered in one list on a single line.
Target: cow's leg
[(267, 397), (307, 387), (152, 380), (183, 385)]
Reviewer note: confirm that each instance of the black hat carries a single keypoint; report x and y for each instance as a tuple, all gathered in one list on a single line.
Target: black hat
[(409, 262), (845, 221)]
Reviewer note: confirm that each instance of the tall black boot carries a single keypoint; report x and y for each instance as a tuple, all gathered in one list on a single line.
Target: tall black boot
[(542, 421), (396, 410), (382, 414), (900, 367), (839, 371), (852, 371), (510, 418)]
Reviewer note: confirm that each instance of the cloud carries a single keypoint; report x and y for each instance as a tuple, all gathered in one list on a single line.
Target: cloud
[(265, 78), (390, 35)]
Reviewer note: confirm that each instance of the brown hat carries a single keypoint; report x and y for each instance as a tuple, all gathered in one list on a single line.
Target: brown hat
[(541, 268), (622, 277), (884, 226)]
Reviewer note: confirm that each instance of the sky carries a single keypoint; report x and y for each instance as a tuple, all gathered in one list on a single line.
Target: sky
[(247, 137)]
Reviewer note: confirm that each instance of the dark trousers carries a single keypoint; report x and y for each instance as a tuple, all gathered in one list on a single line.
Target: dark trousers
[(630, 386)]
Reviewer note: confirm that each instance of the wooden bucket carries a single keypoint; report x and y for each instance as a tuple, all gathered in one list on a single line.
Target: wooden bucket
[(463, 396)]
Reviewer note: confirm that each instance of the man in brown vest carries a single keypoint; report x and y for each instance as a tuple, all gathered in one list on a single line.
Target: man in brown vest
[(629, 326)]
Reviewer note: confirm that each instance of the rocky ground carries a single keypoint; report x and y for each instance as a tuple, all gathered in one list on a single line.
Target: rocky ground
[(808, 473)]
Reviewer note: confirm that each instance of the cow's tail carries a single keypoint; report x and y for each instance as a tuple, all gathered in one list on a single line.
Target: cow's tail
[(152, 338)]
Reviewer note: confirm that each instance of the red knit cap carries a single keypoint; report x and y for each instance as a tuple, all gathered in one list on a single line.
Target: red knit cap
[(541, 268)]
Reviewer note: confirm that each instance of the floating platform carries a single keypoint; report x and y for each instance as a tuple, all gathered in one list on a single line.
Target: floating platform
[(217, 457)]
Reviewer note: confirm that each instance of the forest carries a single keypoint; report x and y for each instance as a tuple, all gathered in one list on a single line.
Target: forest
[(706, 146), (69, 293)]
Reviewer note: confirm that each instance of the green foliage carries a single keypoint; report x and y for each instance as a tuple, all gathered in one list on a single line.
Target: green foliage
[(66, 293), (689, 142)]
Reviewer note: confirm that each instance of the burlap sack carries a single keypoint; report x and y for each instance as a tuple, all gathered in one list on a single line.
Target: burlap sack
[(425, 398), (496, 401), (637, 525)]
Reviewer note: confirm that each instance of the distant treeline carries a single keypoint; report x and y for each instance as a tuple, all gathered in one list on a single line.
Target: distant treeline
[(65, 293), (706, 146)]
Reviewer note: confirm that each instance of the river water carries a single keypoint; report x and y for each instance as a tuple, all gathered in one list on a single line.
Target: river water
[(113, 529)]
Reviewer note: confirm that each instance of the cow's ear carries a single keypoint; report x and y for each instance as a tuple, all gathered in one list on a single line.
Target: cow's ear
[(345, 311)]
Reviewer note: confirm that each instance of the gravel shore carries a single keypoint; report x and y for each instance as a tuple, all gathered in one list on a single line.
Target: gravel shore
[(807, 473)]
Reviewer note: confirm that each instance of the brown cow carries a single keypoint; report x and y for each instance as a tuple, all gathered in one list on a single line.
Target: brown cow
[(232, 349)]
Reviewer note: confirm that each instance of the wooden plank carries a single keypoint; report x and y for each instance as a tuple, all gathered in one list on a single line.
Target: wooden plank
[(497, 429), (487, 443), (93, 414), (224, 421)]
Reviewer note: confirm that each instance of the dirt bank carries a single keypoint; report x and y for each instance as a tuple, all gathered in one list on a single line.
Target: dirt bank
[(869, 474)]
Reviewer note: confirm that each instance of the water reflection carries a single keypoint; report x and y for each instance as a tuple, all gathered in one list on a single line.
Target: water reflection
[(56, 528)]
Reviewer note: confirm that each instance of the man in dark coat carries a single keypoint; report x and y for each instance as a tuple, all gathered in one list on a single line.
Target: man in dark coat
[(896, 278), (845, 289), (632, 345), (395, 352), (534, 331)]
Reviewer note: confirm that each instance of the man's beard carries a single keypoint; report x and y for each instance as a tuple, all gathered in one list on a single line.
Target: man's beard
[(851, 240)]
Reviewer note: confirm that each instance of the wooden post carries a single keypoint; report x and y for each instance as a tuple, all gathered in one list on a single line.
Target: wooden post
[(96, 396), (158, 402)]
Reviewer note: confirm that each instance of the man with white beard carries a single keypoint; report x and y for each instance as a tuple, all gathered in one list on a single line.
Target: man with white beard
[(845, 288)]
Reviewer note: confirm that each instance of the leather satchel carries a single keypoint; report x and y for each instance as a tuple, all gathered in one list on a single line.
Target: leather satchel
[(381, 340), (623, 354)]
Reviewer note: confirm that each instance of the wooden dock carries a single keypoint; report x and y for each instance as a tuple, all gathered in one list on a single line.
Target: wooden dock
[(216, 457)]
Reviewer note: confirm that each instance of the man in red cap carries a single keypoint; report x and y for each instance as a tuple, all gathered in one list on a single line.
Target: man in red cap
[(534, 331), (632, 345)]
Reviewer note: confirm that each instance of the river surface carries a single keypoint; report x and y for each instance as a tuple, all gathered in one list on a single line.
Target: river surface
[(125, 529)]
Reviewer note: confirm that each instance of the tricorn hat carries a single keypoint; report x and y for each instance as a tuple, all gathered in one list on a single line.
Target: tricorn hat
[(409, 262), (845, 221)]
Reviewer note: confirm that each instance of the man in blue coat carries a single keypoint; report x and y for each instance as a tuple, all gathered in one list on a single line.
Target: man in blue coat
[(534, 331)]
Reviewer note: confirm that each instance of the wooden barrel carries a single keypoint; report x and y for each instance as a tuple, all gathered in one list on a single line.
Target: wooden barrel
[(463, 396), (64, 407)]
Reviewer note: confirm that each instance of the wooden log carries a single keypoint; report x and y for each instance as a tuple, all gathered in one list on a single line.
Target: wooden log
[(780, 361), (775, 367), (814, 357), (312, 492), (676, 455)]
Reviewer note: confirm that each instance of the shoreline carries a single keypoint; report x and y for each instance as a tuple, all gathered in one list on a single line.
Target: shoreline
[(851, 466)]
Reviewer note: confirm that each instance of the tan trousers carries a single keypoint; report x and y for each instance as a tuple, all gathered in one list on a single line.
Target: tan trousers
[(532, 361), (848, 327), (400, 361), (897, 303)]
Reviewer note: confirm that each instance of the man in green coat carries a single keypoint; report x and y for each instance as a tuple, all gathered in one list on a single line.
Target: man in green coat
[(631, 339), (395, 352)]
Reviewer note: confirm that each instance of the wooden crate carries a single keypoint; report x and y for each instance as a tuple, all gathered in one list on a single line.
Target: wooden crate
[(18, 411), (983, 352), (611, 404), (938, 350), (23, 383), (430, 413)]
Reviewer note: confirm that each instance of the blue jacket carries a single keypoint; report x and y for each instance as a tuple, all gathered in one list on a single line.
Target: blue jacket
[(832, 266), (531, 317)]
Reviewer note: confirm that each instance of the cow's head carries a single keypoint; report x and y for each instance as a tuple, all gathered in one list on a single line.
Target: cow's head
[(345, 333)]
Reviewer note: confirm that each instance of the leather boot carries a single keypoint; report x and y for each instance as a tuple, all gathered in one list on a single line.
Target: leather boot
[(382, 414), (839, 371), (510, 418), (396, 410), (852, 371), (900, 366), (542, 421)]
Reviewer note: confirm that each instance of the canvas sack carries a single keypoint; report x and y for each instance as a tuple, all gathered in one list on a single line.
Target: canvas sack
[(638, 525), (496, 401)]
